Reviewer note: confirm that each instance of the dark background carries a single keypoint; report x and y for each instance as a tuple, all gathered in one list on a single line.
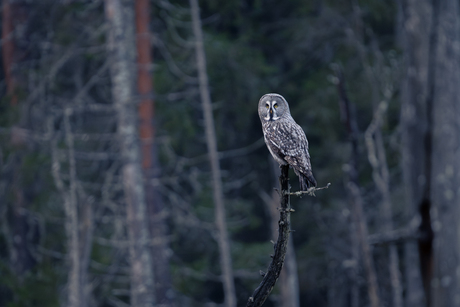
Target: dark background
[(392, 64)]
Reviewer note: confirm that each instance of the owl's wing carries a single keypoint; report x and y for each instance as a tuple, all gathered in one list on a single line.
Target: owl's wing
[(290, 139), (293, 144)]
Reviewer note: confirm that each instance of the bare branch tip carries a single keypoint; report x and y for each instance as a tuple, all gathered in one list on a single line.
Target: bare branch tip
[(310, 191)]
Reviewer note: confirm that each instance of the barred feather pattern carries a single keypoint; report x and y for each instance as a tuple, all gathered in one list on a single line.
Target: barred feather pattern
[(288, 144)]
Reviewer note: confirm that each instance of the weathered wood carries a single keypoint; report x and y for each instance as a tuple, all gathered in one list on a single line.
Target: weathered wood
[(223, 239), (284, 228), (146, 111), (121, 49)]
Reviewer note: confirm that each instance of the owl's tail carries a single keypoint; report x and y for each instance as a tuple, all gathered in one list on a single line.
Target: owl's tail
[(306, 181)]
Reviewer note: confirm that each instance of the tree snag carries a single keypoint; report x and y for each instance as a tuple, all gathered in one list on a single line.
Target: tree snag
[(284, 228)]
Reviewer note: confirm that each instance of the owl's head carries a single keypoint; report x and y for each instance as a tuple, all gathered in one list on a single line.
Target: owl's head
[(273, 107)]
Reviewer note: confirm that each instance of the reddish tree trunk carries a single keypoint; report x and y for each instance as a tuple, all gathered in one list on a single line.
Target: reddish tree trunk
[(8, 48), (120, 43), (14, 14), (146, 113)]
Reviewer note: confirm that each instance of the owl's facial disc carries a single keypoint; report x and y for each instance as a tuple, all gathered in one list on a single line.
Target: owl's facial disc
[(271, 107)]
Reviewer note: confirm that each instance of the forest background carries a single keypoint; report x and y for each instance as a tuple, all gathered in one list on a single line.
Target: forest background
[(133, 170)]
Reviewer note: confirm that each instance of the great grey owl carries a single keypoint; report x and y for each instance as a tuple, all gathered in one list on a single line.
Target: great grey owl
[(285, 140)]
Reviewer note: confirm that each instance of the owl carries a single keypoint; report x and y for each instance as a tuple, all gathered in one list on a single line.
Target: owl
[(285, 139)]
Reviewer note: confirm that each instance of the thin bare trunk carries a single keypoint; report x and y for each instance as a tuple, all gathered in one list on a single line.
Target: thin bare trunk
[(378, 161), (445, 165), (155, 208), (71, 210), (86, 231), (349, 120), (355, 268), (78, 253), (415, 146), (289, 283), (223, 239), (121, 48)]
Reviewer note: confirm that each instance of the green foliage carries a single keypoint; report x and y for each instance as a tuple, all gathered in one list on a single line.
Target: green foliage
[(35, 288)]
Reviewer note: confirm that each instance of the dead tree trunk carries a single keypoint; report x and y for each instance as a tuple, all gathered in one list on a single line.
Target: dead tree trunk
[(78, 219), (416, 146), (223, 238), (75, 290), (381, 175), (284, 228), (358, 217), (445, 165), (289, 282), (155, 208), (121, 49)]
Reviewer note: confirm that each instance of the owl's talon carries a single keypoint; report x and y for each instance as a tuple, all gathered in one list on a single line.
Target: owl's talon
[(311, 191)]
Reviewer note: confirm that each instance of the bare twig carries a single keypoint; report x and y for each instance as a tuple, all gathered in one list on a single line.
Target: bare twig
[(310, 191)]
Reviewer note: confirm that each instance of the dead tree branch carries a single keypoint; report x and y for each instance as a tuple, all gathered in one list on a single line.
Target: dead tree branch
[(274, 269)]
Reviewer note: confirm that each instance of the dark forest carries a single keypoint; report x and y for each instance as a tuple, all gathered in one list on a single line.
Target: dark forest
[(133, 168)]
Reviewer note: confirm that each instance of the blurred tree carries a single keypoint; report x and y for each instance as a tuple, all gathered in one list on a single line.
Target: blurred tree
[(443, 107), (251, 47), (416, 145), (150, 165), (222, 236), (352, 183), (121, 50), (22, 233)]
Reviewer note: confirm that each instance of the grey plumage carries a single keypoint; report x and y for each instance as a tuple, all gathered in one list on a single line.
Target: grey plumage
[(285, 139)]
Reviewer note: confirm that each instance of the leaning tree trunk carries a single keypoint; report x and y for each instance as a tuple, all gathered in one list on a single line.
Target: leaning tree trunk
[(155, 208), (121, 49), (223, 239)]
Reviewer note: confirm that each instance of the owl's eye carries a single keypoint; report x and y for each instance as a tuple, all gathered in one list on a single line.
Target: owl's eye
[(276, 106), (266, 106)]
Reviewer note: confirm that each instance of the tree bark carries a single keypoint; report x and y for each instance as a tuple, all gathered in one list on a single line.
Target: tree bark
[(75, 281), (223, 238), (284, 228), (416, 146), (121, 49), (155, 208), (289, 283), (78, 217), (445, 173)]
